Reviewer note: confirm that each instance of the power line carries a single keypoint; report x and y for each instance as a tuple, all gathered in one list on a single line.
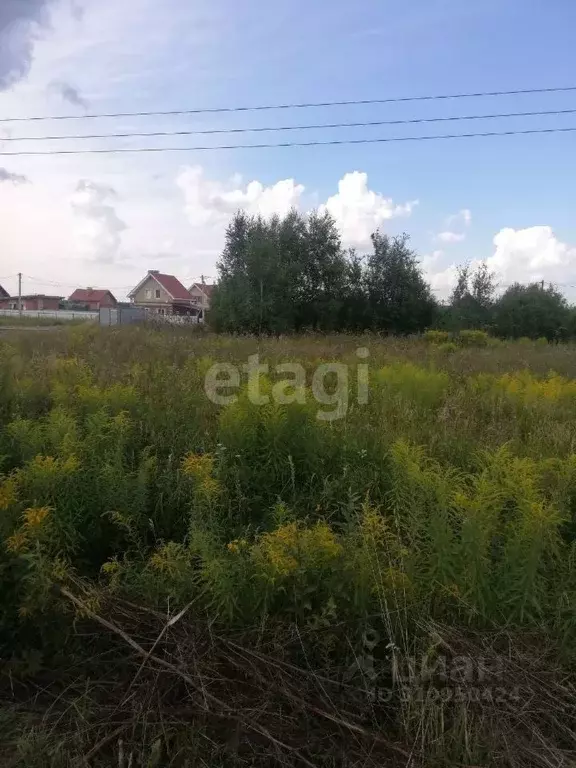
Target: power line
[(212, 131), (266, 107), (333, 142)]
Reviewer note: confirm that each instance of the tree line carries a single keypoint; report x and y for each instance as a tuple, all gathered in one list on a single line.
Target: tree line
[(291, 274)]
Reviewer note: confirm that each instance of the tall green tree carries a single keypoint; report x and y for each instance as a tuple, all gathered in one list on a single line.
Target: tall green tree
[(532, 310), (291, 274), (399, 300), (472, 300)]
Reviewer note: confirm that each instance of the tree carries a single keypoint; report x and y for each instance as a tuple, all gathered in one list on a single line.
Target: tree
[(280, 275), (291, 274), (533, 311), (398, 298), (472, 299)]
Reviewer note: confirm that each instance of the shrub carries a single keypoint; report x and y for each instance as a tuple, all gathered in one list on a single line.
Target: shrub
[(436, 337), (448, 348), (473, 338)]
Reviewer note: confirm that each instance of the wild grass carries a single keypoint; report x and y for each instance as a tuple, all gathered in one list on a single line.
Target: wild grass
[(252, 570)]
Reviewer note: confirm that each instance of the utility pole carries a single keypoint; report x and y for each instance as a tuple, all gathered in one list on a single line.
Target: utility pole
[(20, 293)]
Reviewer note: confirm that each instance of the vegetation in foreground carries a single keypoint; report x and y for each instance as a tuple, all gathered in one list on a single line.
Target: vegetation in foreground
[(189, 584)]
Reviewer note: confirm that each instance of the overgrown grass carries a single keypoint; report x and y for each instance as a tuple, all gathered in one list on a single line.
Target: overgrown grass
[(439, 514)]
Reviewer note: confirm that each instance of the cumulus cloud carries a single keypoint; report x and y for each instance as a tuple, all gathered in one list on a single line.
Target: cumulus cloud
[(99, 229), (531, 254), (69, 93), (359, 211), (14, 178), (451, 237), (520, 255), (20, 21), (211, 203)]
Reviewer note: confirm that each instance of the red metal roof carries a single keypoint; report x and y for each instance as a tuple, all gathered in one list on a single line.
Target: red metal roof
[(173, 286), (89, 294)]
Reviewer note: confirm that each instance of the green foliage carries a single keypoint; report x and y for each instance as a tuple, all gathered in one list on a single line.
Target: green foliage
[(472, 300), (398, 298), (473, 338), (292, 274), (532, 311), (436, 337), (449, 496)]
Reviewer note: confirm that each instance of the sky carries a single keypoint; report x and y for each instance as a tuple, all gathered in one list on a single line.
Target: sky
[(103, 220)]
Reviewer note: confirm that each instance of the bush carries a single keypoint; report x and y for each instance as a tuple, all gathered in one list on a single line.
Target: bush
[(436, 337), (448, 348), (473, 338)]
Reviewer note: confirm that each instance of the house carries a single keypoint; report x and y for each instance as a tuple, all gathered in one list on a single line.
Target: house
[(163, 295), (33, 303), (92, 299), (201, 295)]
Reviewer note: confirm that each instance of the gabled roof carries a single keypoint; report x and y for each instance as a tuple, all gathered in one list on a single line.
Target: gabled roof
[(4, 294), (204, 287), (90, 294), (171, 285)]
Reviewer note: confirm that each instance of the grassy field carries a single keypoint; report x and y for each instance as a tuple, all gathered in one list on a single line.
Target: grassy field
[(380, 572)]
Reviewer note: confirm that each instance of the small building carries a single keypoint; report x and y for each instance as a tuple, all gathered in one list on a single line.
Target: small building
[(38, 302), (163, 295), (93, 299), (201, 296)]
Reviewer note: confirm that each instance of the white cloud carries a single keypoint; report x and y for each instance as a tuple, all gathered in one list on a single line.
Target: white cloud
[(530, 254), (451, 237), (523, 255), (212, 203), (463, 217), (454, 224), (99, 227), (359, 211)]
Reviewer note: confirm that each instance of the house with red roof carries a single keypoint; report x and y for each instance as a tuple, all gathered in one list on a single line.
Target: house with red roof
[(163, 295), (92, 299)]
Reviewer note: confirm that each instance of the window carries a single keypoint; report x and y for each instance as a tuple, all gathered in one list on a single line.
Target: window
[(157, 293), (148, 293)]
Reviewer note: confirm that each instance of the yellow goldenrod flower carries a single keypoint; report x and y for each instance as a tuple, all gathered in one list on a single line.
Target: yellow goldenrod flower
[(17, 542), (70, 465), (237, 546), (35, 516), (7, 493), (291, 545), (197, 465)]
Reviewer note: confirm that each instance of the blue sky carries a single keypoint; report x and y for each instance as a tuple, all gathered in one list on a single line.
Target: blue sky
[(106, 219)]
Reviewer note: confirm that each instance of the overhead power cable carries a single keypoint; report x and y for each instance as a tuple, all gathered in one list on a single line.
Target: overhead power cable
[(371, 123), (307, 105), (332, 142)]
